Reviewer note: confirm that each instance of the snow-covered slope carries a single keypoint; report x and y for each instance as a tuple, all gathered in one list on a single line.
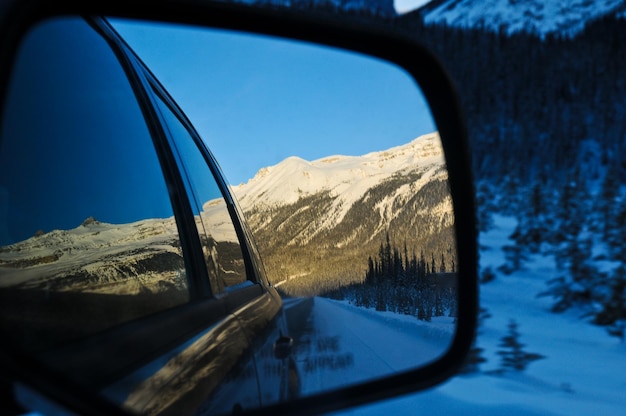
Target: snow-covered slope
[(566, 17), (97, 257), (346, 178), (342, 208), (110, 258)]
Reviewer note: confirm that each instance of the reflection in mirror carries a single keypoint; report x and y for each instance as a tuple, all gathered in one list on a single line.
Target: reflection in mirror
[(222, 253), (88, 238), (339, 169)]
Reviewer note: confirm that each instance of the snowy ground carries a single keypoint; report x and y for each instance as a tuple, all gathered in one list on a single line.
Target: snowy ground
[(343, 344), (584, 371)]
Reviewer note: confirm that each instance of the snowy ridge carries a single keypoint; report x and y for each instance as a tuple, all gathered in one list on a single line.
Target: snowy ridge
[(95, 248), (342, 207), (142, 251), (217, 221), (566, 17), (346, 178)]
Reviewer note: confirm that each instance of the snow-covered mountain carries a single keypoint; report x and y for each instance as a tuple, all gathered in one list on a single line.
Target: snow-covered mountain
[(340, 208), (348, 181), (565, 17), (97, 257), (144, 256), (347, 178)]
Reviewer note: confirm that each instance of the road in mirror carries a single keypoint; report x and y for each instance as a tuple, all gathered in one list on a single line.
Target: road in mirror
[(337, 164)]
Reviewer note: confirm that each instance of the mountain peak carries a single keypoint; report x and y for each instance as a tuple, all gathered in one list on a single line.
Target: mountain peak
[(339, 208), (346, 177)]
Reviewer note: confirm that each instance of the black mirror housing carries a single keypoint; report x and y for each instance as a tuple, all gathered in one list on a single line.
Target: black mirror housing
[(16, 17)]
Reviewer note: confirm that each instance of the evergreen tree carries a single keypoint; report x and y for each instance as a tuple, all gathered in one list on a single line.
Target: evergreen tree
[(569, 213), (438, 303), (576, 284), (607, 201), (514, 255), (370, 275), (398, 271), (613, 312), (382, 263), (513, 357), (485, 206), (615, 224), (442, 266), (387, 259), (433, 267), (407, 262), (618, 329), (428, 308), (533, 225), (487, 275), (613, 307), (401, 284), (420, 305)]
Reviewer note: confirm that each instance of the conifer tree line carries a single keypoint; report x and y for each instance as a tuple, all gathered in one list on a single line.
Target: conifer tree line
[(546, 130), (531, 102), (404, 283)]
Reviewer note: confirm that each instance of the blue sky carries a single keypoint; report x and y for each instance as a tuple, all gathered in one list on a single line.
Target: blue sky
[(257, 100)]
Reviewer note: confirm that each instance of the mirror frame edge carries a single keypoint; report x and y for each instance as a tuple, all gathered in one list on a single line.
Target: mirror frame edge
[(342, 32)]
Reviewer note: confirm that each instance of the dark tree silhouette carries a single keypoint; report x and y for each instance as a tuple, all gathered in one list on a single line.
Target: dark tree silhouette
[(513, 356)]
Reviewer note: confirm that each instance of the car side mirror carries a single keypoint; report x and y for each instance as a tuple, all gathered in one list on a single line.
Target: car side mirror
[(385, 232)]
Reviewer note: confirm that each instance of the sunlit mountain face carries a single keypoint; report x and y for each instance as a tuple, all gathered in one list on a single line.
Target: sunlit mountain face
[(321, 220)]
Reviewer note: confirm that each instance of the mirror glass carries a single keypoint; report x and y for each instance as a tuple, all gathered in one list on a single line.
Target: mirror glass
[(334, 160)]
